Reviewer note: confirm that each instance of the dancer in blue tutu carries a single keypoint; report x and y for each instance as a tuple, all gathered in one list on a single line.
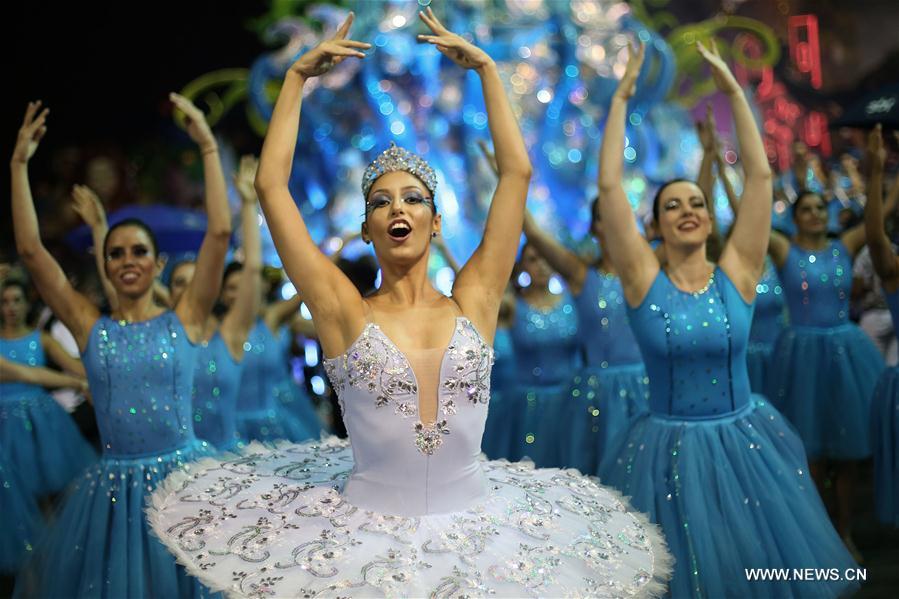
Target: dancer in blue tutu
[(40, 440), (140, 364), (769, 319), (546, 344), (20, 518), (269, 404), (220, 355), (498, 434), (612, 389), (885, 400), (824, 367), (719, 469), (770, 314)]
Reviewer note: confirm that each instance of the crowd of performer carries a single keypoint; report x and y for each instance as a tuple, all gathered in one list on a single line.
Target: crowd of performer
[(717, 378)]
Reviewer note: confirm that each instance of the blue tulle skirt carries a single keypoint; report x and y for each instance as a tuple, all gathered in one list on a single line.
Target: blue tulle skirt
[(42, 443), (885, 443), (497, 440), (273, 424), (602, 403), (298, 403), (730, 493), (101, 545), (534, 416), (20, 519), (822, 380), (758, 360)]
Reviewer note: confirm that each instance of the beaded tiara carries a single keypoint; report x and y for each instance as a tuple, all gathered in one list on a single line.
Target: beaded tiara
[(394, 159)]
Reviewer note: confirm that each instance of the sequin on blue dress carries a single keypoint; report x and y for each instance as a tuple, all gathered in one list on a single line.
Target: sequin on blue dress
[(411, 509), (885, 433), (41, 441), (100, 544), (612, 389), (768, 320), (721, 471), (261, 415), (547, 356), (216, 384), (824, 367)]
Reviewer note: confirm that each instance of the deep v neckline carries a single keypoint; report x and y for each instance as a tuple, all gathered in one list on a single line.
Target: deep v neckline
[(408, 365)]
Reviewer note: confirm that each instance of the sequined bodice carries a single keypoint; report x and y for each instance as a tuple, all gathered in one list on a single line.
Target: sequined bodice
[(546, 342), (770, 316), (216, 382), (26, 350), (604, 329), (893, 305), (817, 285), (140, 377), (403, 467), (694, 347), (263, 369)]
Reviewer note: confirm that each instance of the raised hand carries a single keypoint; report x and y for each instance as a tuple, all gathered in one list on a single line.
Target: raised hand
[(330, 52), (453, 46), (88, 206), (244, 178), (876, 152), (627, 87), (33, 128), (724, 79), (194, 122)]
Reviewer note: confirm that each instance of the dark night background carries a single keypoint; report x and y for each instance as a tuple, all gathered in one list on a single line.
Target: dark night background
[(105, 70)]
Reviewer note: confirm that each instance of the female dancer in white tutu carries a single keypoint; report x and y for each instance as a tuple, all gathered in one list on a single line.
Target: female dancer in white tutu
[(418, 513)]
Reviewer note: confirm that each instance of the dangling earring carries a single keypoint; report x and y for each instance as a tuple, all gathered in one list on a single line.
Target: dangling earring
[(434, 234)]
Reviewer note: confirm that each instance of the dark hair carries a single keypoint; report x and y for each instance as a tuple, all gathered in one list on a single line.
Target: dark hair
[(131, 222), (178, 265), (802, 194), (666, 185), (232, 268), (594, 204), (23, 287), (362, 272), (13, 282)]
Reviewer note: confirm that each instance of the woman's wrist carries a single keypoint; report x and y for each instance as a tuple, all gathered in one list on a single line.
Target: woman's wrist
[(487, 67)]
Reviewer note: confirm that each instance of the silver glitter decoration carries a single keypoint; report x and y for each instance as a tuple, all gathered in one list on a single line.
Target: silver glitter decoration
[(395, 159)]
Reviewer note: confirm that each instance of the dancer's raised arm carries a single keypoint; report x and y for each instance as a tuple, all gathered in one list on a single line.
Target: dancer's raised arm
[(71, 307), (89, 207), (633, 258), (332, 299), (482, 281), (202, 291), (561, 259), (884, 259), (239, 320), (743, 258)]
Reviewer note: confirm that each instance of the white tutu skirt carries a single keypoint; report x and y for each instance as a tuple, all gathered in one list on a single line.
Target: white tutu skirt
[(271, 522)]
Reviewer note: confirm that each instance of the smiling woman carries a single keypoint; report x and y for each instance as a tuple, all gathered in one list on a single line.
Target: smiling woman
[(704, 429), (139, 365)]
